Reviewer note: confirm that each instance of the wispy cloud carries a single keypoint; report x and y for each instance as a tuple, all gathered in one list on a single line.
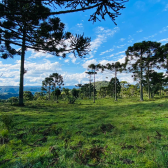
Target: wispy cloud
[(164, 29), (80, 25), (164, 40), (73, 58), (166, 8), (122, 39), (102, 35), (87, 63), (67, 60), (110, 50), (150, 36), (139, 31)]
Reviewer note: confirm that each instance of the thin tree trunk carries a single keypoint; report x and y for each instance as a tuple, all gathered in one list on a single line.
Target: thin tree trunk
[(148, 84), (115, 85), (22, 69), (54, 94), (49, 92), (141, 88), (94, 89)]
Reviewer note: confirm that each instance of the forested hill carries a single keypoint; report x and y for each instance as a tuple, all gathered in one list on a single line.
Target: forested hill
[(15, 89), (100, 84)]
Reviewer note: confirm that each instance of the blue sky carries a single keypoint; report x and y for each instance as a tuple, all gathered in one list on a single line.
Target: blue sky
[(139, 21)]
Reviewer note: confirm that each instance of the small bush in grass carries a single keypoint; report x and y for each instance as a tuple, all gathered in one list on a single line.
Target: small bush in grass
[(13, 100), (7, 121), (71, 100)]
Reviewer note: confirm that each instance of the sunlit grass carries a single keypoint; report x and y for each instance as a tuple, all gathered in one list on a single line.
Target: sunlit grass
[(126, 133)]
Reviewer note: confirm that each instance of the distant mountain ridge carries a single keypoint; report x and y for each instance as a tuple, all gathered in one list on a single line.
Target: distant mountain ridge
[(15, 89)]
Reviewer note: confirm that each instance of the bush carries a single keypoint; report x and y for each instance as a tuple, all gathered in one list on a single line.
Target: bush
[(7, 121), (13, 100), (71, 100), (27, 95)]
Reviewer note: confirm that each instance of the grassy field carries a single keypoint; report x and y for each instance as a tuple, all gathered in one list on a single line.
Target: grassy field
[(126, 133)]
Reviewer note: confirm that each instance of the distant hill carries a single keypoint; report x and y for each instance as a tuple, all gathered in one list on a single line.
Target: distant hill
[(100, 84), (13, 91)]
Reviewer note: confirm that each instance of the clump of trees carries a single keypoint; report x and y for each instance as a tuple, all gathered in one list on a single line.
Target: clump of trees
[(50, 83)]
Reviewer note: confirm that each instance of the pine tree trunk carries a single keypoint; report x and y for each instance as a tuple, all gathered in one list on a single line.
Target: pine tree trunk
[(141, 88), (22, 69), (49, 92), (148, 84), (115, 85), (94, 89)]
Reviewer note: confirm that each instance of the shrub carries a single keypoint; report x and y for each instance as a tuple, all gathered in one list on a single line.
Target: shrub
[(27, 95), (71, 100), (13, 100), (7, 121)]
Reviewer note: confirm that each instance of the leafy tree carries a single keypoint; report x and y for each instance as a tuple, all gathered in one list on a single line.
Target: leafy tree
[(66, 91), (27, 95), (57, 81), (56, 93), (75, 93), (90, 80), (86, 89), (47, 84), (114, 67), (37, 95), (156, 82), (144, 56), (93, 68), (103, 91), (124, 87), (114, 87)]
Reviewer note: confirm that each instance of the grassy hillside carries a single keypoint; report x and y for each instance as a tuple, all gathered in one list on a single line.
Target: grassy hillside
[(127, 133)]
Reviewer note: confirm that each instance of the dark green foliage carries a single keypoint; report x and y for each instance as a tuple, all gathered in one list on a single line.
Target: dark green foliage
[(7, 121), (71, 100), (87, 89), (75, 93), (27, 95), (111, 87), (13, 100), (56, 93), (145, 55), (38, 95), (66, 91)]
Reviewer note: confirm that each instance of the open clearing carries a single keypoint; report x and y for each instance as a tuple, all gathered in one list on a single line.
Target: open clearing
[(127, 133)]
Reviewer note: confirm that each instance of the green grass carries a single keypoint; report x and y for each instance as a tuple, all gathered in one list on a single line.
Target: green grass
[(126, 133)]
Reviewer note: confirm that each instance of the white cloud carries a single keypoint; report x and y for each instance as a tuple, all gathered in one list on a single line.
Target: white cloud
[(164, 40), (80, 25), (67, 60), (121, 52), (38, 54), (122, 39), (36, 72), (164, 29), (87, 63), (166, 8), (102, 36), (150, 36), (73, 58), (106, 51)]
